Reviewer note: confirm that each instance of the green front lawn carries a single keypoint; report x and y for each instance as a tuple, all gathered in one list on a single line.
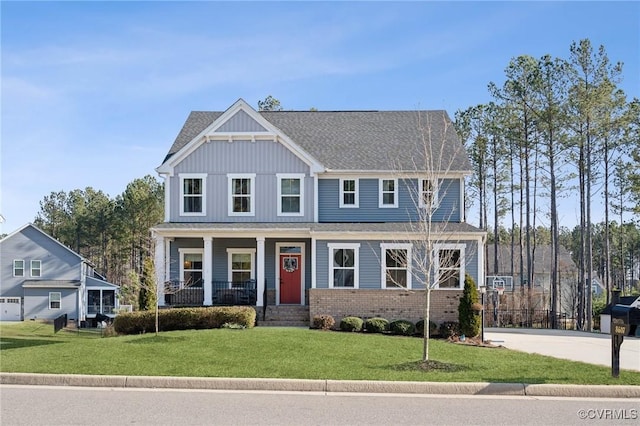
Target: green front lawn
[(279, 353)]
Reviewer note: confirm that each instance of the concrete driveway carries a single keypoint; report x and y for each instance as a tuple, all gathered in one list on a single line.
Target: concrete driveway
[(593, 348)]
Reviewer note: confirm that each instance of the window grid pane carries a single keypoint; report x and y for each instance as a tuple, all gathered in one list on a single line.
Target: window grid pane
[(449, 271), (241, 188)]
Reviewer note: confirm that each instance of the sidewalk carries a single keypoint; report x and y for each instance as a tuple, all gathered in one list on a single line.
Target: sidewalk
[(592, 348)]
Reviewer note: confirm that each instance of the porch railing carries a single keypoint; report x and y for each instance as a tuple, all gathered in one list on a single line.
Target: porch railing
[(224, 293)]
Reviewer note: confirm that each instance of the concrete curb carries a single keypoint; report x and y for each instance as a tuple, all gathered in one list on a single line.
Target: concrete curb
[(326, 386)]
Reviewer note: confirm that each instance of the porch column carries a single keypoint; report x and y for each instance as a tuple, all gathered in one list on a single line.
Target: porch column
[(208, 271), (159, 261), (260, 271)]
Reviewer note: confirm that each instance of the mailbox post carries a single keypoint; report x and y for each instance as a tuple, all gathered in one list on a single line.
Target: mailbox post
[(619, 328)]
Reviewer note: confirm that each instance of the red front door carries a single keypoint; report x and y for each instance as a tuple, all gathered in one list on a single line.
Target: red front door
[(290, 278)]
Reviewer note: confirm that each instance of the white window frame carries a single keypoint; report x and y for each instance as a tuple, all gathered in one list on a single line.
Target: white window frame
[(383, 253), (434, 193), (51, 293), (463, 260), (184, 251), (381, 193), (16, 268), (356, 262), (281, 177), (355, 193), (251, 195), (231, 252), (203, 178), (34, 268)]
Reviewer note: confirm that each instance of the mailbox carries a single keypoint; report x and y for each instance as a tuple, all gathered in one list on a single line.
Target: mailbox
[(624, 320)]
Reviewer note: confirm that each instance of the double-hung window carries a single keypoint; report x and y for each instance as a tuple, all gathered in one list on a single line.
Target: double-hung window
[(388, 196), (18, 268), (343, 265), (450, 261), (191, 267), (348, 192), (192, 194), (428, 194), (241, 263), (36, 268), (290, 194), (241, 194), (55, 300), (396, 265)]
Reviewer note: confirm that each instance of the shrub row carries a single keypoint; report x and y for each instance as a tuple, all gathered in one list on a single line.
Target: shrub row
[(184, 319), (381, 325)]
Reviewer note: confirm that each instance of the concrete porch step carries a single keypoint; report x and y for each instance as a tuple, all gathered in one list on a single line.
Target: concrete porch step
[(275, 323), (285, 316)]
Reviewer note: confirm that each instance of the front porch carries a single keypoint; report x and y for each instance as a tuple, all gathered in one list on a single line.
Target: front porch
[(223, 293)]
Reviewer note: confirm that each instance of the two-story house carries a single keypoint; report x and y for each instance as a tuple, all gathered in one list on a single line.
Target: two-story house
[(40, 278), (320, 210)]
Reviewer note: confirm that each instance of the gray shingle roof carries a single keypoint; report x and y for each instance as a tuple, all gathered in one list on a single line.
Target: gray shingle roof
[(359, 140), (51, 284)]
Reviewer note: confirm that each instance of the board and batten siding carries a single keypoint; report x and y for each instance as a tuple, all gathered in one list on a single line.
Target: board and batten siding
[(56, 262), (369, 211), (263, 158), (370, 267), (240, 122)]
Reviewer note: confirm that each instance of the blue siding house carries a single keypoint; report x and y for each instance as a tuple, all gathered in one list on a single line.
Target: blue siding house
[(40, 278), (328, 212)]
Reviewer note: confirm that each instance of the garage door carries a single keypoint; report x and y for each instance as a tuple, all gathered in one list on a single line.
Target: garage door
[(10, 309)]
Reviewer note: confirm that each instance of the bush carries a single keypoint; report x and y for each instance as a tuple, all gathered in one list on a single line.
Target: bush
[(323, 322), (468, 315), (351, 324), (433, 328), (184, 319), (376, 325), (402, 327), (449, 329)]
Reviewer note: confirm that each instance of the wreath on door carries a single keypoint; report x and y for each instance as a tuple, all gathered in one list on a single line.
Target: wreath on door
[(290, 264)]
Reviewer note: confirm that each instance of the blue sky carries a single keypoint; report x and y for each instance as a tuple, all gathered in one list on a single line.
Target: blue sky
[(94, 93)]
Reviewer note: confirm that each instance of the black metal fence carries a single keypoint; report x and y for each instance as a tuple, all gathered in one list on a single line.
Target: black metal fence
[(224, 293), (59, 323), (525, 318)]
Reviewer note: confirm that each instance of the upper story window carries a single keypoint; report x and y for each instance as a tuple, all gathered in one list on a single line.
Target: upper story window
[(428, 193), (290, 194), (36, 268), (192, 194), (343, 265), (241, 194), (450, 261), (348, 192), (388, 193), (396, 265), (18, 268)]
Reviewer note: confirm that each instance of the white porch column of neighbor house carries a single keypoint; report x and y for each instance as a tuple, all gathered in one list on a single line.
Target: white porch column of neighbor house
[(260, 271), (159, 261), (208, 271)]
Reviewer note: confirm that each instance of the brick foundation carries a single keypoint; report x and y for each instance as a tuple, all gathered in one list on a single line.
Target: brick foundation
[(389, 304)]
